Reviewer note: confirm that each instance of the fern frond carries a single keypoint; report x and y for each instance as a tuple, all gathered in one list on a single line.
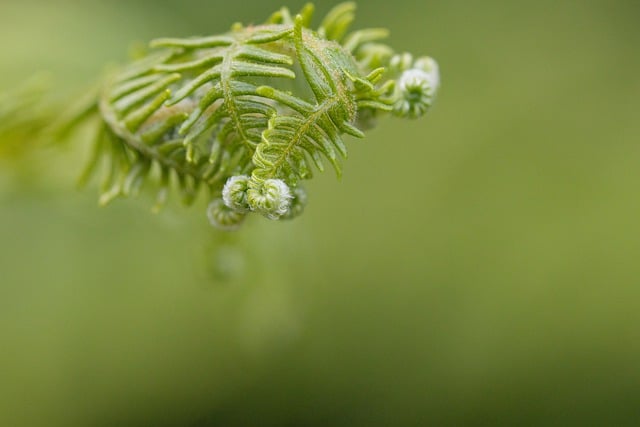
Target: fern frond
[(248, 114)]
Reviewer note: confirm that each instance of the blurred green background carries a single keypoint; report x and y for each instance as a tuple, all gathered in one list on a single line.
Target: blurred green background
[(479, 267)]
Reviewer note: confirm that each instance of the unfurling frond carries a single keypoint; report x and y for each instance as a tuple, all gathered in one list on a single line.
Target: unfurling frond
[(251, 113)]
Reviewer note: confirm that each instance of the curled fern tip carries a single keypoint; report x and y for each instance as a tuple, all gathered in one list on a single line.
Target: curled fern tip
[(250, 114), (272, 198)]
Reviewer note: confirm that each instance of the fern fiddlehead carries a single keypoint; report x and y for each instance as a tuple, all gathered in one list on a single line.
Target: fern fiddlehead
[(248, 114)]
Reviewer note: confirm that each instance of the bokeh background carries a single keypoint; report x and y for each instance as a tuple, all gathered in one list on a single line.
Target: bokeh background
[(480, 267)]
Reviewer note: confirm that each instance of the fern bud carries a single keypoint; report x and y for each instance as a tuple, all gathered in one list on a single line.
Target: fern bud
[(401, 62), (416, 89), (298, 203), (272, 198), (223, 217), (430, 66), (234, 193)]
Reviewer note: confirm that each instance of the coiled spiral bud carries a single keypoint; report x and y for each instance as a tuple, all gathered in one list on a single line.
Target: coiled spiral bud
[(298, 203), (271, 198), (223, 217), (234, 193), (417, 86)]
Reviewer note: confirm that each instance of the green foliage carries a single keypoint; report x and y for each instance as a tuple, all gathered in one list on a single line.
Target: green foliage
[(246, 114)]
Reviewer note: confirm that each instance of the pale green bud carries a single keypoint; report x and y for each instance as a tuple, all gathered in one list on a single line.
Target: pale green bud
[(271, 198), (234, 193), (223, 217)]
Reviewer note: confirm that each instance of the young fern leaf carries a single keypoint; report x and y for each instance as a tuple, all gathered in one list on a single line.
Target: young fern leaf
[(309, 129), (247, 113)]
